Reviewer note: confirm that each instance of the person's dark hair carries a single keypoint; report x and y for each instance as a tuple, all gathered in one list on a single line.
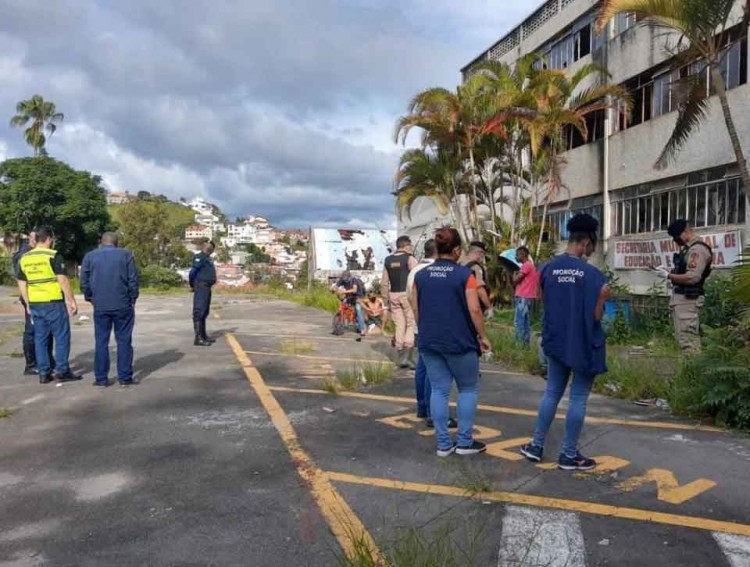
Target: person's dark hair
[(402, 241), (577, 237), (43, 233), (478, 244), (430, 248), (583, 227), (447, 239), (523, 249)]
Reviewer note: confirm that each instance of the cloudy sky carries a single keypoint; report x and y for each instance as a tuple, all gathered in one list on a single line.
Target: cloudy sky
[(277, 107)]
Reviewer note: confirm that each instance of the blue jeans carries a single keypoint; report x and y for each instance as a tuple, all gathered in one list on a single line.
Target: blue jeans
[(422, 388), (557, 380), (442, 369), (361, 326), (122, 321), (523, 324), (51, 320)]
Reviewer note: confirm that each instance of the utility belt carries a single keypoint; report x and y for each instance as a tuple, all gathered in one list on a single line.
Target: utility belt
[(690, 292)]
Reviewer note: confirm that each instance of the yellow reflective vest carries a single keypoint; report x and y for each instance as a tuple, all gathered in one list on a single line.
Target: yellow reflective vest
[(41, 280)]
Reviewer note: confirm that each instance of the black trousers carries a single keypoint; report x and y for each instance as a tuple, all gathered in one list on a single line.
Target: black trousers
[(201, 302)]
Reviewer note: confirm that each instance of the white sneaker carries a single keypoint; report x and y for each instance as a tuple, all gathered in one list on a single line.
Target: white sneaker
[(446, 452)]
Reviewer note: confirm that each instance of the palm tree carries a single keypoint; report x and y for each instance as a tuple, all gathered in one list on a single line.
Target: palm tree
[(702, 26), (432, 175), (43, 116), (557, 102)]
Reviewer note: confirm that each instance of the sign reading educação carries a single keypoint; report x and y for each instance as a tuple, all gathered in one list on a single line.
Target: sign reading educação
[(640, 254)]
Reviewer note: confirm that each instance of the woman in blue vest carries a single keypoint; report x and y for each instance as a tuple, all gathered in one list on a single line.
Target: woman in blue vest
[(451, 338), (574, 293)]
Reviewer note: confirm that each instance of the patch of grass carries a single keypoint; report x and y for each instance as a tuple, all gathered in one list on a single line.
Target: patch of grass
[(419, 547), (295, 346), (5, 412), (474, 481), (633, 378), (365, 374), (330, 385), (506, 351)]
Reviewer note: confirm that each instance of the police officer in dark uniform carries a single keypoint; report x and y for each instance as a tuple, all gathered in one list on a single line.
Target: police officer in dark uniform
[(202, 278), (29, 350), (692, 266)]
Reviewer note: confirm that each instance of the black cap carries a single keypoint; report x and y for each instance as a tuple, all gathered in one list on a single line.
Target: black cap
[(478, 244), (583, 222), (677, 228)]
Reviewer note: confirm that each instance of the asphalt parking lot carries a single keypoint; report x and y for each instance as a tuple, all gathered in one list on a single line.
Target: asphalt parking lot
[(238, 455)]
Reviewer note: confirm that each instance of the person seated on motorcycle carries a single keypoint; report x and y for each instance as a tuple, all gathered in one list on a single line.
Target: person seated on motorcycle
[(374, 310), (353, 289)]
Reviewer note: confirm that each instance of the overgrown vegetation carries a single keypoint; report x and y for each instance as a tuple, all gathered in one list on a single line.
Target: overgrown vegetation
[(296, 346), (160, 279), (363, 374), (319, 296), (5, 412), (634, 378), (507, 351)]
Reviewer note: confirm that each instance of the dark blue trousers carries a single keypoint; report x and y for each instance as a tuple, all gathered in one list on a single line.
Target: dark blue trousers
[(123, 321), (201, 302), (423, 389)]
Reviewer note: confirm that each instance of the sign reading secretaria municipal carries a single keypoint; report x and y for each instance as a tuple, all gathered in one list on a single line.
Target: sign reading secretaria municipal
[(640, 254)]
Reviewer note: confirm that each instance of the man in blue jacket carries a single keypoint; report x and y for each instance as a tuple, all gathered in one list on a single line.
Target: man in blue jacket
[(574, 293), (109, 281), (202, 278)]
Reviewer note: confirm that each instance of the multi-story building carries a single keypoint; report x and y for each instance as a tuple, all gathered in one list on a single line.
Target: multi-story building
[(198, 232), (119, 198), (612, 174)]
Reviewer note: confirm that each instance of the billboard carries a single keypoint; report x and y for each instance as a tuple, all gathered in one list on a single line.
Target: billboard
[(352, 249)]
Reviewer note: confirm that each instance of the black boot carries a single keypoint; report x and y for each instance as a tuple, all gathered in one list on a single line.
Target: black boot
[(197, 327), (204, 334), (30, 355)]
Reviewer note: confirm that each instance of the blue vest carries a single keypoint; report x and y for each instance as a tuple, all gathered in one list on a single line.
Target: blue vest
[(571, 334), (445, 324)]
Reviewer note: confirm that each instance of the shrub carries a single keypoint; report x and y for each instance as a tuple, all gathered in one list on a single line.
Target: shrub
[(721, 308), (716, 382), (160, 278), (631, 378), (507, 351)]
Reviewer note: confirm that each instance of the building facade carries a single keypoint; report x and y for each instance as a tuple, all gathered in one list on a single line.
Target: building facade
[(198, 232), (119, 198), (612, 175)]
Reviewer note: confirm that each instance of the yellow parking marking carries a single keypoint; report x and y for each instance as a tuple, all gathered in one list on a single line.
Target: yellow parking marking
[(555, 503), (604, 464), (345, 525), (511, 411), (408, 421), (667, 485), (481, 433), (500, 449), (311, 357)]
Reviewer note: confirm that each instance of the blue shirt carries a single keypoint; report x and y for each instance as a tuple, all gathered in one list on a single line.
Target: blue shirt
[(109, 278), (571, 334), (445, 324), (203, 271)]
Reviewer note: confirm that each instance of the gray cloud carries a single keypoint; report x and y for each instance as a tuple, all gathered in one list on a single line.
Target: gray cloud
[(277, 107)]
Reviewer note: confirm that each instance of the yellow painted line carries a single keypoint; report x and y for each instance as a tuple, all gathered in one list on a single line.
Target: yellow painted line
[(289, 336), (556, 503), (345, 525), (312, 357), (514, 411)]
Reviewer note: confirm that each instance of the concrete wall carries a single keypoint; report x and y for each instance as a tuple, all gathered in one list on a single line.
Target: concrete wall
[(584, 172)]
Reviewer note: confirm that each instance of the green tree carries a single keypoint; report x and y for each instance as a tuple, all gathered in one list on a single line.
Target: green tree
[(43, 117), (702, 27), (37, 191), (146, 231), (256, 255)]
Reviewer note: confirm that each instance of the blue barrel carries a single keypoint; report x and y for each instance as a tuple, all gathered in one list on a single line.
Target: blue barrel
[(614, 306)]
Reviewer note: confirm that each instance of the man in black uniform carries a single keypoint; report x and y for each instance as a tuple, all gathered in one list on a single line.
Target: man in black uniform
[(29, 351), (202, 278)]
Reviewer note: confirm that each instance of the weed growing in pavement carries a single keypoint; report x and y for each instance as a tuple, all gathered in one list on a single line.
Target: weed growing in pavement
[(365, 374), (330, 385), (5, 412), (295, 346), (418, 547), (473, 480)]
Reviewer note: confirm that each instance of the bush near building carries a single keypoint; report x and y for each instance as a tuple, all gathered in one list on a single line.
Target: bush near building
[(162, 279)]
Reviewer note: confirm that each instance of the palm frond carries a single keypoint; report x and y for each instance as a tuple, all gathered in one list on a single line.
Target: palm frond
[(692, 110)]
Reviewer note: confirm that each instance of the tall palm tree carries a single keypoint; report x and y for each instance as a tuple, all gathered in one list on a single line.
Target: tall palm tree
[(433, 175), (701, 25), (555, 102), (43, 117), (449, 122)]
